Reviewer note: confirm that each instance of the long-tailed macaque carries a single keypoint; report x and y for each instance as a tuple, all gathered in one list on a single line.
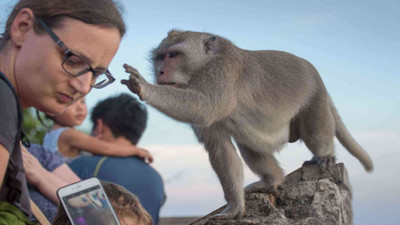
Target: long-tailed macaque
[(260, 99)]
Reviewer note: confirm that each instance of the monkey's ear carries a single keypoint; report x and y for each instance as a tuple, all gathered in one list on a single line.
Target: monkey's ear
[(210, 45), (173, 32)]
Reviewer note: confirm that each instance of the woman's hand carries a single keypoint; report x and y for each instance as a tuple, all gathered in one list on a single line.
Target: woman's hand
[(44, 180), (33, 169)]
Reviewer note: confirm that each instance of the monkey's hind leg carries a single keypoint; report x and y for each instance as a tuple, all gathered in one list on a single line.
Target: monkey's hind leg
[(266, 166), (228, 166), (316, 127)]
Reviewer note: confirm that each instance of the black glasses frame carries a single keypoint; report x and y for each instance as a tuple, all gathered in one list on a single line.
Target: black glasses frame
[(68, 53)]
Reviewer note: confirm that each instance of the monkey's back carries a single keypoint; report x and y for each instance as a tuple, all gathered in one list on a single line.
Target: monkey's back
[(281, 79), (272, 88)]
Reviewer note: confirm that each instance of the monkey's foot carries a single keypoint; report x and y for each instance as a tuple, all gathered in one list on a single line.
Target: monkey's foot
[(236, 212), (261, 187), (322, 162)]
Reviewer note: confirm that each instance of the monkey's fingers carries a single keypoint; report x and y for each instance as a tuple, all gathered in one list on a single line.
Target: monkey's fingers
[(327, 162), (125, 82), (314, 161), (132, 85), (127, 66), (274, 192), (322, 162), (230, 212), (131, 70), (134, 77), (261, 187)]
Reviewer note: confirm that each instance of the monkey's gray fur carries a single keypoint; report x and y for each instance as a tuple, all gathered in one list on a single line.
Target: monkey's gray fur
[(261, 99)]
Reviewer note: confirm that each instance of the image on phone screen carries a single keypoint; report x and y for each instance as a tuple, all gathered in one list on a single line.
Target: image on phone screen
[(89, 206)]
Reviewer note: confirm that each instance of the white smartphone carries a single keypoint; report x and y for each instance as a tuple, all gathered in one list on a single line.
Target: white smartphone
[(85, 202)]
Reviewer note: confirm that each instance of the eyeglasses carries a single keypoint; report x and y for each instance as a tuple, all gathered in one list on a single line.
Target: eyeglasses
[(76, 65)]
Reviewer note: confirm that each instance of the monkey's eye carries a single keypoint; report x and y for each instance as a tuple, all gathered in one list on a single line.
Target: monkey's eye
[(173, 54), (160, 57)]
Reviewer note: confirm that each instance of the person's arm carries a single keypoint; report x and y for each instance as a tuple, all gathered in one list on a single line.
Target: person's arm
[(80, 140), (53, 163), (65, 173), (4, 157), (47, 182)]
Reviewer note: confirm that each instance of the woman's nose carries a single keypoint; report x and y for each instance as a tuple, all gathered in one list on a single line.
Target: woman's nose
[(82, 83)]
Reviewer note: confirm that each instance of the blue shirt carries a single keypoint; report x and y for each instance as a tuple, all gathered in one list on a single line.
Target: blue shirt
[(130, 172), (50, 142), (50, 162)]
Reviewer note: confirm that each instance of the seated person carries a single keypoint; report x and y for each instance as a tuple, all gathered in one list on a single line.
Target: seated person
[(45, 172), (126, 205), (68, 142), (122, 119)]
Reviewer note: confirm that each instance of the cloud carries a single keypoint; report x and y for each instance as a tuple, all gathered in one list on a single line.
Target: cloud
[(192, 185)]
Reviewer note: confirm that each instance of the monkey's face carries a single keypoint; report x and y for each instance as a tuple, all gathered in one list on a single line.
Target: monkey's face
[(177, 58), (169, 68)]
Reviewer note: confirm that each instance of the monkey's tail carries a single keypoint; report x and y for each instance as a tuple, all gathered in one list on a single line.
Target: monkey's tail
[(348, 141)]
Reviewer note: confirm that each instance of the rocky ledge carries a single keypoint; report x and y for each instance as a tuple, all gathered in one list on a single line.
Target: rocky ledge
[(308, 196)]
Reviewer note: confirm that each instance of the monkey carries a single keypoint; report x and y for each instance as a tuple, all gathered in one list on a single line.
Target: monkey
[(260, 99)]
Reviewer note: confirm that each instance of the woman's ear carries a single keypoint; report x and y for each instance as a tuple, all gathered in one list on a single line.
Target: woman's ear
[(21, 26)]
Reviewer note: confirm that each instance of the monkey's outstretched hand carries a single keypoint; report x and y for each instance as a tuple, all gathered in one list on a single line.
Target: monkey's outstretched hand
[(135, 82)]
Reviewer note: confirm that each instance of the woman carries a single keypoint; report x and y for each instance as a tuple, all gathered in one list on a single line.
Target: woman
[(51, 54)]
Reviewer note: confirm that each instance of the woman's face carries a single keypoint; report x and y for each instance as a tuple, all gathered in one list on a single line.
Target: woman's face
[(74, 115), (41, 81)]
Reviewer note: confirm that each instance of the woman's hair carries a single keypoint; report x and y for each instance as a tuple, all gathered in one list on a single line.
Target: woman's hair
[(98, 12), (124, 203)]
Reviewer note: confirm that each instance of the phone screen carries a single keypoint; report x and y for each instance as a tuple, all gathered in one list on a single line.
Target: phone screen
[(89, 206)]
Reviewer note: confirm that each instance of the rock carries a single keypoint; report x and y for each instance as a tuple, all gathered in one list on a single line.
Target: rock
[(307, 197)]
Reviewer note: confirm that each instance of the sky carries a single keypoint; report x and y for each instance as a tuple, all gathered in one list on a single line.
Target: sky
[(353, 44)]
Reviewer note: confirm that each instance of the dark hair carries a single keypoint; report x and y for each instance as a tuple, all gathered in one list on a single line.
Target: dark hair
[(98, 12), (123, 114), (123, 202)]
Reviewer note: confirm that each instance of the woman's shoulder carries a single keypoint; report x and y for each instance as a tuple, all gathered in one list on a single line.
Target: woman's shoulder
[(10, 115), (7, 92)]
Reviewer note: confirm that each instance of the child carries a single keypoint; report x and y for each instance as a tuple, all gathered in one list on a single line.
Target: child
[(125, 204), (68, 142)]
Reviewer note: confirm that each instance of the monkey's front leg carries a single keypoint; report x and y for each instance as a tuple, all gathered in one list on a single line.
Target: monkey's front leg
[(192, 105), (229, 169)]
